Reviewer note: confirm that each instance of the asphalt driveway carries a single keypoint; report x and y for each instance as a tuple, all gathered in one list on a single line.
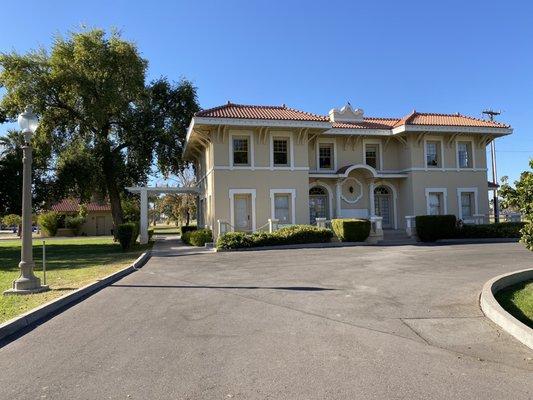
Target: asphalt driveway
[(340, 323)]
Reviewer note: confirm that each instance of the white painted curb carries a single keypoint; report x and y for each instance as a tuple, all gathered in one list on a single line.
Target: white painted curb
[(495, 312), (26, 319)]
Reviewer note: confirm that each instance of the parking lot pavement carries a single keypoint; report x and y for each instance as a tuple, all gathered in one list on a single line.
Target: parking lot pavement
[(340, 323)]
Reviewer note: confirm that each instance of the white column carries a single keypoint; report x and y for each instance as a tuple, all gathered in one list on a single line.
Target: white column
[(371, 189), (338, 191), (144, 216)]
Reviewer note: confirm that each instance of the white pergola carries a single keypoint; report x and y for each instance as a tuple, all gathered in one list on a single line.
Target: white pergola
[(144, 191)]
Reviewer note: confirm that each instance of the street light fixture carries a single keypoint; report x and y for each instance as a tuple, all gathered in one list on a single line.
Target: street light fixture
[(27, 282)]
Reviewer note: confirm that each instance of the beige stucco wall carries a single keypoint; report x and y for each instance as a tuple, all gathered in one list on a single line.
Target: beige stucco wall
[(217, 176), (89, 227)]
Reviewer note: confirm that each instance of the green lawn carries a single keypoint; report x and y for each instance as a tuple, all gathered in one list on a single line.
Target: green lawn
[(518, 300), (71, 263), (166, 230)]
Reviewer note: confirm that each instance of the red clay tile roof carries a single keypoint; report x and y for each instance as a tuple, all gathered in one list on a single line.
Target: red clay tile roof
[(73, 205), (241, 111), (434, 119), (368, 123)]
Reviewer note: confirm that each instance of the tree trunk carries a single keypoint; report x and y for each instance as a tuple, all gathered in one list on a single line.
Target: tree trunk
[(112, 190)]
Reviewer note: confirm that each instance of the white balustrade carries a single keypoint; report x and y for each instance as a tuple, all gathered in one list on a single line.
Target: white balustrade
[(410, 225), (273, 224), (321, 222)]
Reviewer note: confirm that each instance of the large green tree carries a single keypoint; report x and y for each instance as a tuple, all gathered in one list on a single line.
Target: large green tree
[(100, 116)]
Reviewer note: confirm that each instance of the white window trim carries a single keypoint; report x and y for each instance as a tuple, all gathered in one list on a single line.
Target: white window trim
[(273, 193), (324, 185), (250, 136), (472, 148), (232, 193), (380, 151), (444, 192), (460, 191), (426, 167), (291, 150), (332, 141)]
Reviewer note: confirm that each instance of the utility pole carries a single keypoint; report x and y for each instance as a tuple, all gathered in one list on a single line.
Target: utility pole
[(491, 114)]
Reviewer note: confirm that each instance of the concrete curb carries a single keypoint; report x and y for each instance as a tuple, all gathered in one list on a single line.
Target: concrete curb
[(28, 318), (297, 246), (495, 312)]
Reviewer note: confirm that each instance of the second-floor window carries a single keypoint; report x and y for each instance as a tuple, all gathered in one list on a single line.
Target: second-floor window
[(325, 156), (464, 154), (281, 152), (371, 155), (432, 154), (241, 151)]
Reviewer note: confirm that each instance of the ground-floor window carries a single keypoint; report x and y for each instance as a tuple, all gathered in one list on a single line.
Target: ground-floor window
[(318, 204), (467, 205), (282, 208), (435, 203)]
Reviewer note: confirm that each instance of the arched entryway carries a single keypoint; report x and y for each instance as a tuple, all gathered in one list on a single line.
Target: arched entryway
[(318, 203), (384, 206)]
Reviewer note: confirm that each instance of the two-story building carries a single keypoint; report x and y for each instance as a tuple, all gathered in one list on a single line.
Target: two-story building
[(256, 163)]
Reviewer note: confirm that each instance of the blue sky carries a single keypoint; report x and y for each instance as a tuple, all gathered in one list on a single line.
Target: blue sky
[(387, 57)]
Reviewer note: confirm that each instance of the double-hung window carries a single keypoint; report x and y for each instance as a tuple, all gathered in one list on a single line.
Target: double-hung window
[(432, 157), (464, 154), (282, 210), (241, 151), (325, 156), (371, 155), (467, 205), (280, 152), (435, 204)]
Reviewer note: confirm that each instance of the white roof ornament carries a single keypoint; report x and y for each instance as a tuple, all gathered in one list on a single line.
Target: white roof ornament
[(346, 114)]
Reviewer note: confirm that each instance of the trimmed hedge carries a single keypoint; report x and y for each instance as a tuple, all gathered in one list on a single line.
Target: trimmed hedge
[(295, 234), (430, 228), (351, 230), (200, 237), (497, 230), (125, 235), (188, 228)]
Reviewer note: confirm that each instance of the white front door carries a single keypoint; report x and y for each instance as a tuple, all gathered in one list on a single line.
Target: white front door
[(242, 210)]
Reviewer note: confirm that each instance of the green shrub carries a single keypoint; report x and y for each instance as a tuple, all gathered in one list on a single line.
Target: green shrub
[(74, 223), (12, 220), (295, 234), (186, 237), (351, 230), (150, 234), (125, 235), (527, 236), (188, 228), (430, 228), (498, 230), (200, 237), (49, 222)]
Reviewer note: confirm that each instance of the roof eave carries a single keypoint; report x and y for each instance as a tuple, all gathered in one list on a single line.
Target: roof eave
[(453, 128)]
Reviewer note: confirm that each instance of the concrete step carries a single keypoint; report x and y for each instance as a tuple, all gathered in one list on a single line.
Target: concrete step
[(392, 237)]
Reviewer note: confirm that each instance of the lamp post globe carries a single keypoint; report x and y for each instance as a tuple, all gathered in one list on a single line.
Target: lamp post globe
[(27, 282)]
